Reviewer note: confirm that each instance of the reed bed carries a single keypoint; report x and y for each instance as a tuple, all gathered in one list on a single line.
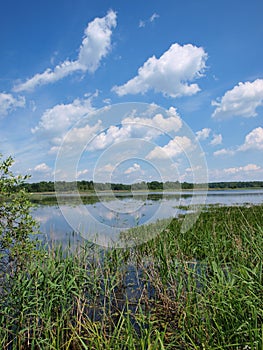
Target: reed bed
[(202, 289)]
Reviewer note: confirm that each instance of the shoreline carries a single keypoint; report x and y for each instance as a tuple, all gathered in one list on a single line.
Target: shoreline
[(52, 193)]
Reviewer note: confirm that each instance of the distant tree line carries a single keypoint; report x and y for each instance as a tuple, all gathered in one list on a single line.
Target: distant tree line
[(84, 186), (236, 184)]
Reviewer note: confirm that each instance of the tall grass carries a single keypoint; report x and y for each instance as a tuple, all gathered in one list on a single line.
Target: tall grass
[(202, 289)]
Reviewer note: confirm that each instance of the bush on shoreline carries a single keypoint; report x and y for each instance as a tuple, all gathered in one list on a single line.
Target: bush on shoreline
[(16, 223)]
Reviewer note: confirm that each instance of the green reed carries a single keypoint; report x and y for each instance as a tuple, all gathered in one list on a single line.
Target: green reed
[(202, 289)]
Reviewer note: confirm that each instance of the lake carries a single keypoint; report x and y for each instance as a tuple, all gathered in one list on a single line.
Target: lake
[(101, 218)]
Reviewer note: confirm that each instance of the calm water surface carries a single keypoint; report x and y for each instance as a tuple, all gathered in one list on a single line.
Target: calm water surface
[(115, 213)]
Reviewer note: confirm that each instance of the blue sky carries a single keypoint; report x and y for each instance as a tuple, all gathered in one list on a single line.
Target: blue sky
[(64, 65)]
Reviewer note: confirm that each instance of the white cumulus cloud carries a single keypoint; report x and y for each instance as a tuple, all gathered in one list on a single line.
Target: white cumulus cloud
[(133, 169), (170, 74), (246, 168), (217, 140), (178, 145), (113, 134), (242, 100), (66, 124), (224, 152), (137, 127), (57, 120), (95, 45), (253, 140), (9, 103), (203, 134), (156, 125), (81, 173), (80, 135), (42, 168)]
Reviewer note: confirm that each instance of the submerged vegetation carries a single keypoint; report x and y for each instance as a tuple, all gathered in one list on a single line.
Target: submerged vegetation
[(201, 289)]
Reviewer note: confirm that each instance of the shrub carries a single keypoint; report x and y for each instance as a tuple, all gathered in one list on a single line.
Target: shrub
[(16, 222)]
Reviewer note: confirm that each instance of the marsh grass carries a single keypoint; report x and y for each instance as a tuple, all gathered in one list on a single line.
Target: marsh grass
[(202, 289)]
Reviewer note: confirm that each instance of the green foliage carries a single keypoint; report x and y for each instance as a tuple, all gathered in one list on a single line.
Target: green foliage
[(197, 290), (16, 222), (83, 186), (236, 185)]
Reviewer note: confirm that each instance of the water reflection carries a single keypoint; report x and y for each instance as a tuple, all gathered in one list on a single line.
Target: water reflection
[(109, 215)]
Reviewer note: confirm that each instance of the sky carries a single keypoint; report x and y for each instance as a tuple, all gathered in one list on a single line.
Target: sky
[(131, 91)]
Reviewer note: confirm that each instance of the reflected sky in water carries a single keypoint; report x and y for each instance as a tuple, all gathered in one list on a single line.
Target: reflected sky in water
[(110, 215)]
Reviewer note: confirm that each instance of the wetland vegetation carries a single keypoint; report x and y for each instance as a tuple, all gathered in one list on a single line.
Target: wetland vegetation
[(200, 289)]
